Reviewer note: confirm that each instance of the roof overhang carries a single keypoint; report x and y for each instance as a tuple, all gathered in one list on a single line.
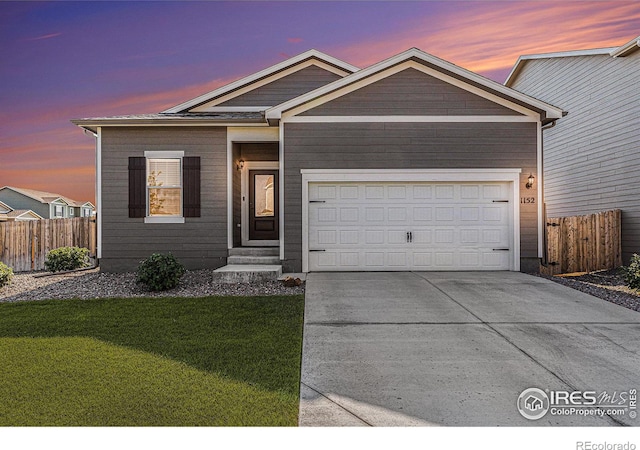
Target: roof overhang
[(524, 58), (626, 49), (547, 112), (175, 120), (623, 50), (331, 63)]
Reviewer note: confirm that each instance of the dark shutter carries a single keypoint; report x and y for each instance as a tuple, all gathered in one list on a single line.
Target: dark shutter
[(137, 187), (191, 186)]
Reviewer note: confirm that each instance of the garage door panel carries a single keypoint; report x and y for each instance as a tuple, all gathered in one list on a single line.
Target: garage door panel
[(409, 226)]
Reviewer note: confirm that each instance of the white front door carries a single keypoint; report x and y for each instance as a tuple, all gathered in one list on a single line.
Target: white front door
[(394, 226)]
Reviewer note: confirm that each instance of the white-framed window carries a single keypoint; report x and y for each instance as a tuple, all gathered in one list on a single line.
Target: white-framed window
[(86, 212), (58, 211), (164, 186), (71, 211)]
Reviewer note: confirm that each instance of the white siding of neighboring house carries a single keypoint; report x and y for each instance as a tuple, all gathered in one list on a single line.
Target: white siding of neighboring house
[(592, 156)]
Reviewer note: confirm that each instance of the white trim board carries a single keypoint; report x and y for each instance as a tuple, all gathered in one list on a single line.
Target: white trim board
[(99, 192), (512, 176), (409, 119), (407, 59), (169, 154), (212, 105), (336, 65), (239, 135), (244, 193), (281, 181), (328, 97)]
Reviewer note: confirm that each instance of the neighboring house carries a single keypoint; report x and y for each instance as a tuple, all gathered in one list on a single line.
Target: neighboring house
[(44, 204), (412, 163), (591, 158), (8, 214), (22, 214)]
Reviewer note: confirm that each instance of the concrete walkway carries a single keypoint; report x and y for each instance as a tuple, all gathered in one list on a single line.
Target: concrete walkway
[(452, 348)]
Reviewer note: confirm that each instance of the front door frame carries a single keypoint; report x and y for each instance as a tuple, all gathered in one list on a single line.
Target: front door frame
[(244, 197)]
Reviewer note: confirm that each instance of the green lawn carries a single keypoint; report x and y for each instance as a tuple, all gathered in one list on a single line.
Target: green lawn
[(211, 361)]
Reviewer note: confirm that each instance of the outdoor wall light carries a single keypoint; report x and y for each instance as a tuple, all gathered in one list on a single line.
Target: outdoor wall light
[(530, 181), (240, 165)]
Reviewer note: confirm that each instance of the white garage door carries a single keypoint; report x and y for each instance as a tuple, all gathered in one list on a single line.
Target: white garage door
[(409, 226)]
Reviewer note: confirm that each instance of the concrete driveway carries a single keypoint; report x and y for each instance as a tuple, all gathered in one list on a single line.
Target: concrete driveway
[(452, 348)]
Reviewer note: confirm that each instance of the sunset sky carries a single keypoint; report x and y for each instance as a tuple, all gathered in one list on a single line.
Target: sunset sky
[(62, 60)]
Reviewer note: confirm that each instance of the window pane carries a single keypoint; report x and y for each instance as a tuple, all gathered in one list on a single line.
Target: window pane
[(264, 195), (164, 172), (164, 202)]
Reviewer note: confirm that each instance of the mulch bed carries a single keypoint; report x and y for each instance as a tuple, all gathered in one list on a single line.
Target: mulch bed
[(608, 285)]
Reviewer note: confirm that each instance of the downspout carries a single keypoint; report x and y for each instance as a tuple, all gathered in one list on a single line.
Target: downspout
[(545, 253)]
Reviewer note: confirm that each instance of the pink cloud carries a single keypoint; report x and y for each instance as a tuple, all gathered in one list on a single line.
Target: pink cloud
[(294, 40), (484, 38), (46, 36)]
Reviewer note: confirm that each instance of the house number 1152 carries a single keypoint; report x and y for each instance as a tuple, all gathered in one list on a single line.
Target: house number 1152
[(528, 200)]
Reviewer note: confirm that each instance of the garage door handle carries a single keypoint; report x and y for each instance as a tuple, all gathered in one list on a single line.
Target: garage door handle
[(317, 250), (500, 249), (500, 201), (317, 201)]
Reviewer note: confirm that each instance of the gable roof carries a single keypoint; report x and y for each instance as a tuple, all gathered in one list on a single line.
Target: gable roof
[(42, 196), (450, 72), (615, 52), (267, 75), (5, 207), (19, 213)]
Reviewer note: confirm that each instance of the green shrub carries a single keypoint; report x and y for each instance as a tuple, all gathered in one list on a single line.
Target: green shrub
[(6, 273), (160, 272), (632, 272), (66, 258)]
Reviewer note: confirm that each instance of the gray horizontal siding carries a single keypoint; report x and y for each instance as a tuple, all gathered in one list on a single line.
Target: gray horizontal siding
[(592, 156), (200, 241), (286, 88), (409, 92), (399, 146)]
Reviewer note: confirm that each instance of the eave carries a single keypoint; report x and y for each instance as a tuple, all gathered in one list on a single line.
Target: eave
[(167, 120), (339, 66), (548, 113)]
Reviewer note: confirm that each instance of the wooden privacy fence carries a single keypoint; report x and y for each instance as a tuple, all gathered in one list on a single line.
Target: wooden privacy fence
[(584, 243), (24, 244)]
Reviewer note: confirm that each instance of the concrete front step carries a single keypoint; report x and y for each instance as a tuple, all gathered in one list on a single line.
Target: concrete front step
[(254, 251), (268, 260), (245, 273)]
